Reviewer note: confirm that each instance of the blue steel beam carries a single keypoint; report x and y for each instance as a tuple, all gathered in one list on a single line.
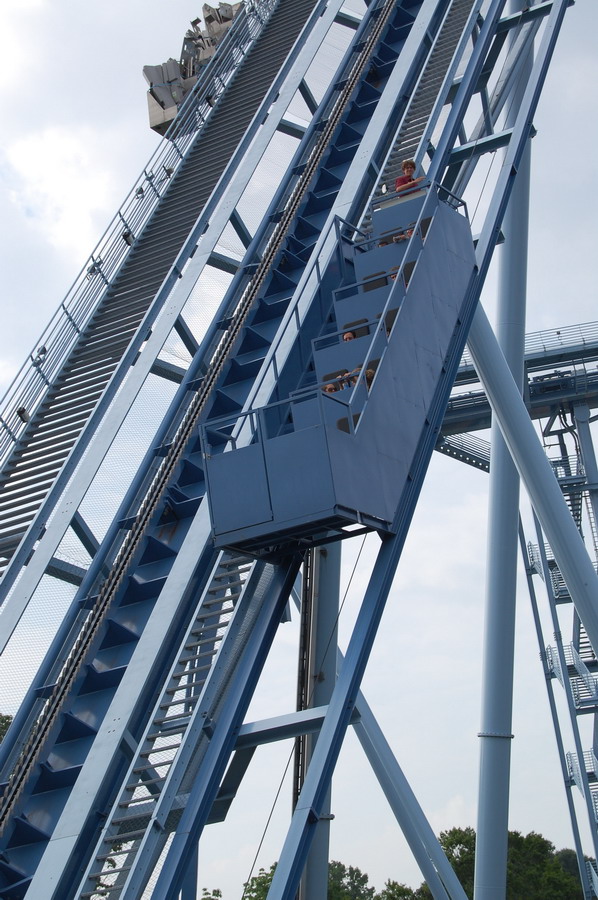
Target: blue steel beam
[(349, 19), (489, 144), (300, 833), (292, 129), (66, 571), (470, 78), (221, 744), (66, 830), (194, 256), (429, 855), (168, 371), (471, 411), (308, 97), (566, 683), (494, 374), (85, 534), (316, 681), (410, 817), (169, 424), (111, 285), (536, 473), (198, 826), (239, 225), (549, 349), (306, 815), (581, 413), (354, 192), (456, 178), (186, 336)]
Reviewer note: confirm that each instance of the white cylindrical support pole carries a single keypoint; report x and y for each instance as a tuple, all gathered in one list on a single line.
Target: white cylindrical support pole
[(502, 551)]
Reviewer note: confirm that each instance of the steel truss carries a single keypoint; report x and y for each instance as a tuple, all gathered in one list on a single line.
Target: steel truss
[(134, 724)]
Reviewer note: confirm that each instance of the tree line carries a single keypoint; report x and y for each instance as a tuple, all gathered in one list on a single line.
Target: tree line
[(535, 871)]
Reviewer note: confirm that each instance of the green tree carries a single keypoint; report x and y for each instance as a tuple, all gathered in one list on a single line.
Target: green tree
[(344, 883), (459, 847), (348, 883), (535, 873), (5, 721), (257, 887), (211, 895), (568, 860), (393, 890), (534, 870)]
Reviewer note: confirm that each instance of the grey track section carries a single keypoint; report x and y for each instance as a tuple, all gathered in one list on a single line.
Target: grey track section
[(52, 432)]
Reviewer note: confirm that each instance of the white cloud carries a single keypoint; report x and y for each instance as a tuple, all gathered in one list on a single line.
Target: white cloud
[(16, 39), (58, 181)]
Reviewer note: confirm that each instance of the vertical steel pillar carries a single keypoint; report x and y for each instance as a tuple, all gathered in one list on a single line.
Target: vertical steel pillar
[(322, 675), (189, 886), (581, 412), (499, 637)]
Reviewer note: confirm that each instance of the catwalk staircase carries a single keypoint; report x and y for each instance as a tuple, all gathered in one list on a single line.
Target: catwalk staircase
[(573, 664)]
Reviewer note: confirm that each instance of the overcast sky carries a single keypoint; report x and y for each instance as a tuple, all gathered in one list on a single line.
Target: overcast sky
[(74, 138)]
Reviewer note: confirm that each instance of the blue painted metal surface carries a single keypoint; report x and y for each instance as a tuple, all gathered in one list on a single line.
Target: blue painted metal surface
[(145, 585), (155, 532), (309, 456), (70, 338)]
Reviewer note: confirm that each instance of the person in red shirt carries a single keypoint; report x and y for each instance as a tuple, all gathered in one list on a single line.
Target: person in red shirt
[(406, 181)]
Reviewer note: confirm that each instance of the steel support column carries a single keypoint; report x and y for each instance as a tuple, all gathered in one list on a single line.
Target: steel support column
[(581, 412), (536, 472), (310, 805), (190, 886), (322, 675), (501, 579)]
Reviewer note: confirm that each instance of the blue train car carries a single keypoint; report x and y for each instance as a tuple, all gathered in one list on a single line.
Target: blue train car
[(336, 457)]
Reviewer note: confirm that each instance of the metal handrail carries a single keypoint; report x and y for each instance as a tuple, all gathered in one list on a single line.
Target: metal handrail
[(574, 769), (592, 522), (591, 868), (553, 663), (585, 334), (566, 467), (535, 559), (573, 658), (471, 444), (43, 364), (358, 393), (590, 762), (580, 380)]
